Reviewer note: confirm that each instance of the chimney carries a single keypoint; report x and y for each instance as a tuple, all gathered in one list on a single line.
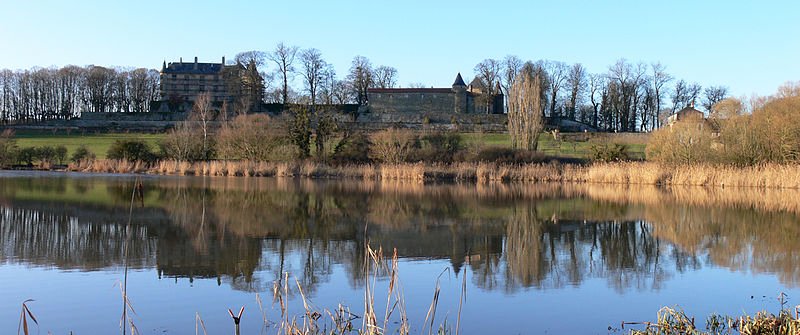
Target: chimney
[(223, 60), (195, 62), (181, 60)]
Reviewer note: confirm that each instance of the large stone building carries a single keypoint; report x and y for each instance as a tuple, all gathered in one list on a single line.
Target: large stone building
[(458, 99), (183, 82)]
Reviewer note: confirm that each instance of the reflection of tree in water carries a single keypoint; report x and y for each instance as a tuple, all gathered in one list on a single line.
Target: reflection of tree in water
[(740, 239), (48, 235), (545, 254), (250, 232)]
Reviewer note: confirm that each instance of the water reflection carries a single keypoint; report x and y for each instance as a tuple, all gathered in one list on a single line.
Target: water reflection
[(248, 232)]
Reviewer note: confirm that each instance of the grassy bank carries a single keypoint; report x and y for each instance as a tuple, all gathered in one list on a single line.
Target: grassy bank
[(636, 173), (98, 143), (570, 145)]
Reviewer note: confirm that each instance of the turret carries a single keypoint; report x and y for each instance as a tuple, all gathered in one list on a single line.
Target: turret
[(498, 103), (460, 90)]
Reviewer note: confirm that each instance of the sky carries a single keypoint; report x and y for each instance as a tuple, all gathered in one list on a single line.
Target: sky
[(751, 47)]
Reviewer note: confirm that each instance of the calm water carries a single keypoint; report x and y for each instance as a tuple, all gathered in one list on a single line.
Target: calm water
[(537, 259)]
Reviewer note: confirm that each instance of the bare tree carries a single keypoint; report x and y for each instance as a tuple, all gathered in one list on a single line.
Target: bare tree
[(640, 93), (576, 80), (252, 56), (658, 78), (203, 113), (360, 78), (622, 74), (385, 76), (511, 67), (713, 95), (557, 77), (488, 73), (597, 84), (328, 84), (342, 93), (525, 121), (685, 94), (283, 56), (313, 71)]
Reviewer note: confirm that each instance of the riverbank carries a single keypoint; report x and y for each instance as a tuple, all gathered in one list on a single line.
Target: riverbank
[(634, 173)]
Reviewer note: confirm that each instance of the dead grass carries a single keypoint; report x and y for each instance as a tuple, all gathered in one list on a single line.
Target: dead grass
[(636, 173)]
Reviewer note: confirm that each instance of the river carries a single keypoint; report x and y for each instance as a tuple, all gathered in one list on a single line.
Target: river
[(518, 259)]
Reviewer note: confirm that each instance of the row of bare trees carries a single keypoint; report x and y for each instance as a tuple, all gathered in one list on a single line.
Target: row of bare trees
[(286, 64), (63, 93), (627, 97)]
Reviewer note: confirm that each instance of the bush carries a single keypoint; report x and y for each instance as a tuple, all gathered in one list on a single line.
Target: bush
[(82, 154), (183, 143), (352, 149), (61, 154), (300, 130), (249, 137), (393, 145), (609, 153), (682, 143), (45, 154), (438, 147), (26, 156), (131, 150), (8, 148)]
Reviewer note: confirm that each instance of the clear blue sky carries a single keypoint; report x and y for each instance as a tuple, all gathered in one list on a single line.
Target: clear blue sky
[(749, 46)]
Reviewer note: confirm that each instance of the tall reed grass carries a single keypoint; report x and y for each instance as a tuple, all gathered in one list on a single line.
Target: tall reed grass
[(635, 173)]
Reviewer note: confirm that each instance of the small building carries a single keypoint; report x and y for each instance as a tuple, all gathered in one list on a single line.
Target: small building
[(686, 114), (690, 115), (459, 99)]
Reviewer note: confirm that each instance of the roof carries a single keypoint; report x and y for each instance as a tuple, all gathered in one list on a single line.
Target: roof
[(459, 81), (409, 90), (477, 83), (688, 110), (201, 68)]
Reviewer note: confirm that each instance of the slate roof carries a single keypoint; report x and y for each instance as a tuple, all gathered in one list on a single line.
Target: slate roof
[(459, 81), (189, 68), (409, 90)]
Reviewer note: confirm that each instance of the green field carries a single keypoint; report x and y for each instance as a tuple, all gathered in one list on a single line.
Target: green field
[(571, 145), (96, 143)]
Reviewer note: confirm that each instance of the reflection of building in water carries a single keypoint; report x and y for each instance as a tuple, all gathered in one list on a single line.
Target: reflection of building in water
[(253, 235), (226, 255)]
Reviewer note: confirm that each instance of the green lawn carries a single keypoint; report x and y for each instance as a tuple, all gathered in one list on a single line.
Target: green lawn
[(571, 145), (96, 143)]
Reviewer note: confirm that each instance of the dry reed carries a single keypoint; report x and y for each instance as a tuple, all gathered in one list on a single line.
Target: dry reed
[(636, 173)]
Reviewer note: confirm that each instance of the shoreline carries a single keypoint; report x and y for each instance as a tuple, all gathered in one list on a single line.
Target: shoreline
[(621, 173)]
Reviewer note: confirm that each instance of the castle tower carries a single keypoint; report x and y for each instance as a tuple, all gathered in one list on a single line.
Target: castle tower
[(498, 101), (460, 90)]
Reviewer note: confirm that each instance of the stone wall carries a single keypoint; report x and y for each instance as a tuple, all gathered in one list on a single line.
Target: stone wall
[(412, 101), (134, 117)]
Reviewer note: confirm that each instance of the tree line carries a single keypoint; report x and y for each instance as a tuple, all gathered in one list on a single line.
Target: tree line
[(320, 83), (626, 97), (64, 93)]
